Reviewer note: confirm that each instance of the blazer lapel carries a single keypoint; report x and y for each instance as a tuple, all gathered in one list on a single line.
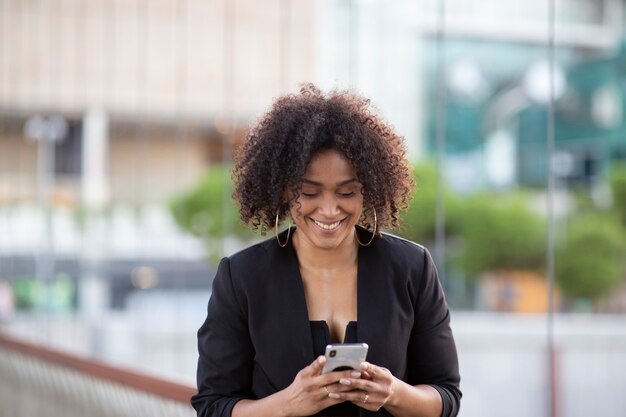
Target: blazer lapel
[(372, 311), (294, 334)]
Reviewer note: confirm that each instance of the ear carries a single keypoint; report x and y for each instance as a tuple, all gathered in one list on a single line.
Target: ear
[(285, 197), (287, 194), (284, 202)]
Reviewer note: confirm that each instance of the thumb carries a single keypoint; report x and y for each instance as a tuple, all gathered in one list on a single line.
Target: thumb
[(315, 368)]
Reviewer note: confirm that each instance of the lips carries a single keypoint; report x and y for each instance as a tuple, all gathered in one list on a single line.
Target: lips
[(327, 226)]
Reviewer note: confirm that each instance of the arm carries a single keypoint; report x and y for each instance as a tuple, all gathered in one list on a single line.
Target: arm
[(432, 387), (414, 401), (225, 350), (432, 355), (379, 388)]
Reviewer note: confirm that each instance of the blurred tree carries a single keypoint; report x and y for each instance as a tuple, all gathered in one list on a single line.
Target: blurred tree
[(208, 210), (618, 188), (590, 260), (419, 219), (500, 232), (496, 231)]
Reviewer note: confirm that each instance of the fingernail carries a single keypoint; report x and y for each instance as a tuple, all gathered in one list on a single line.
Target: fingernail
[(355, 374), (321, 359), (345, 381), (334, 395)]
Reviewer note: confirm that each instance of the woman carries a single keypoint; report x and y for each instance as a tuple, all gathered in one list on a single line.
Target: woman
[(341, 175)]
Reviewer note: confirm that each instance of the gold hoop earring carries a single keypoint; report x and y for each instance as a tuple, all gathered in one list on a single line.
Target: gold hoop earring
[(373, 232), (276, 232)]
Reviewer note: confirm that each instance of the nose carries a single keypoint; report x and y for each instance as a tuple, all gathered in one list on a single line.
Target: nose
[(329, 207)]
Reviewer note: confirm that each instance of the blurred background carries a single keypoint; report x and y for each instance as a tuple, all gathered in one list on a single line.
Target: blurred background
[(118, 124)]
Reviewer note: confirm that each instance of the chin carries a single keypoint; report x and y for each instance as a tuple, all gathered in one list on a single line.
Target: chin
[(330, 242)]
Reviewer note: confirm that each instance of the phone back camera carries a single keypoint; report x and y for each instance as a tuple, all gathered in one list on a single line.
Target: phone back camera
[(333, 353)]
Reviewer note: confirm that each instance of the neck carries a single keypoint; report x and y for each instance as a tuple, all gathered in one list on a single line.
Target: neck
[(338, 258)]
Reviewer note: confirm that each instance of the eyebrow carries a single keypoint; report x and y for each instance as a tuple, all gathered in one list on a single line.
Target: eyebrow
[(339, 184)]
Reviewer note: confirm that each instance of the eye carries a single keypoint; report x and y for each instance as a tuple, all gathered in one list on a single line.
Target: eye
[(308, 194), (347, 194)]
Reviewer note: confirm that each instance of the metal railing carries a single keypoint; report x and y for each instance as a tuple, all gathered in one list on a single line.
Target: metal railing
[(38, 381)]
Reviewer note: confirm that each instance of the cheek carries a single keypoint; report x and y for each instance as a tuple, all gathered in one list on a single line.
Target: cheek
[(357, 207)]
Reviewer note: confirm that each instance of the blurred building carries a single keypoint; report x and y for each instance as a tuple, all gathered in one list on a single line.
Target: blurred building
[(497, 89), (109, 108), (173, 81), (495, 99)]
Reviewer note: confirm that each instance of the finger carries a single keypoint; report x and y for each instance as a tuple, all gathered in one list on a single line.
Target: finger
[(346, 394), (366, 375), (333, 377), (315, 368), (358, 384), (360, 398), (333, 398), (350, 373), (335, 392), (353, 374), (368, 367), (373, 371), (339, 388)]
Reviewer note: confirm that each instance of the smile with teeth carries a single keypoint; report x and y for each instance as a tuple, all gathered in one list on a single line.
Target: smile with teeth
[(327, 226)]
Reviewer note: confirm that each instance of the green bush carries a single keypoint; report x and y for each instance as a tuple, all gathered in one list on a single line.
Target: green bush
[(496, 231), (500, 232), (590, 260), (618, 189), (208, 209), (419, 219)]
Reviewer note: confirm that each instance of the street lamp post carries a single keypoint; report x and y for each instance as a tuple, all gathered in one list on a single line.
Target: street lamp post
[(46, 132)]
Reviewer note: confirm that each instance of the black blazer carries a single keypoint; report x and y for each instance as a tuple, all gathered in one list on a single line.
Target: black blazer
[(257, 337)]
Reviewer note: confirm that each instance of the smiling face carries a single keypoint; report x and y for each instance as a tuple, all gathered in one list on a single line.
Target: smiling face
[(330, 202)]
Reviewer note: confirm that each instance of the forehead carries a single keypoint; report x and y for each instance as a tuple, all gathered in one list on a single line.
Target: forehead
[(329, 166)]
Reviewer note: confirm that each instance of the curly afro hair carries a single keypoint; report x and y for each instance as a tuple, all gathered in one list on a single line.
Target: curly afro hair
[(278, 148)]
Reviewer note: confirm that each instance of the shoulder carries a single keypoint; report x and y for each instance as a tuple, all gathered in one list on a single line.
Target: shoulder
[(253, 252), (407, 260), (256, 264), (400, 249), (401, 243), (414, 267), (255, 257)]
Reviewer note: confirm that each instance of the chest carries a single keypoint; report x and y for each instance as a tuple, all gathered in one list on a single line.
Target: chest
[(331, 297)]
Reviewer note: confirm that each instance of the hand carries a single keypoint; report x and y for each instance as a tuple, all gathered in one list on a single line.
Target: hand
[(373, 390), (312, 391)]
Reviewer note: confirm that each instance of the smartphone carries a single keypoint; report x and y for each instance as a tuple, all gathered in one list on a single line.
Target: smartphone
[(344, 356)]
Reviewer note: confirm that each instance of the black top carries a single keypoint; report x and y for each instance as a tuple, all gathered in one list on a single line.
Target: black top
[(321, 337), (257, 335)]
